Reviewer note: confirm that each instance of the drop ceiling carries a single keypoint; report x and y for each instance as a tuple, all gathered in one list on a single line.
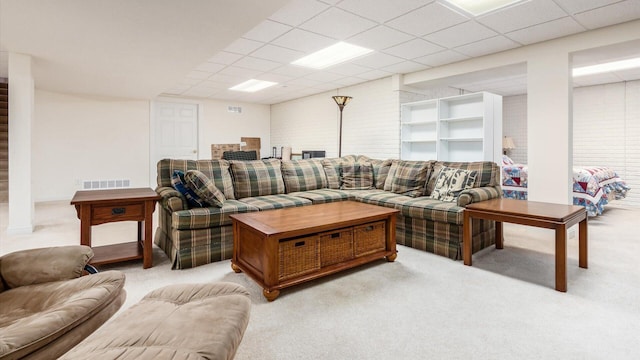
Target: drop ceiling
[(199, 49)]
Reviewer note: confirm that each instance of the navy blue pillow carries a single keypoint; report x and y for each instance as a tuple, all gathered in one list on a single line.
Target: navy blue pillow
[(177, 180)]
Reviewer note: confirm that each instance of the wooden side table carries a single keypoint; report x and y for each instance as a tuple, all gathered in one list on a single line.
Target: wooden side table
[(96, 207), (544, 215)]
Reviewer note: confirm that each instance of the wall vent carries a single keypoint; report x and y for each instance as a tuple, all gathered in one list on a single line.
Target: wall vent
[(234, 109), (105, 184)]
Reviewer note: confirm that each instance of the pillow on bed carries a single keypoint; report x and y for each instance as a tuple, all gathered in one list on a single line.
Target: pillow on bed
[(506, 160)]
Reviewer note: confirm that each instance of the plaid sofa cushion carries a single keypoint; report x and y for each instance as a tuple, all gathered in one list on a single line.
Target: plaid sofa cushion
[(179, 183), (203, 218), (275, 201), (488, 173), (322, 196), (218, 170), (380, 169), (356, 176), (451, 182), (332, 167), (257, 178), (303, 175), (408, 177), (204, 187)]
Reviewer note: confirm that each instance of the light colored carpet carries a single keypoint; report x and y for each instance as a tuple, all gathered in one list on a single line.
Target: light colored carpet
[(423, 306)]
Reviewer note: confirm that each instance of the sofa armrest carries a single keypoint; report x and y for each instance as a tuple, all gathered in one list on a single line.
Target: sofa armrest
[(171, 200), (37, 266), (474, 195)]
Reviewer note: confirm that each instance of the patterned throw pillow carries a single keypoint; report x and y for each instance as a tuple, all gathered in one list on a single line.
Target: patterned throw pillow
[(204, 187), (332, 169), (178, 183), (357, 176), (257, 178), (408, 177), (303, 175), (450, 182)]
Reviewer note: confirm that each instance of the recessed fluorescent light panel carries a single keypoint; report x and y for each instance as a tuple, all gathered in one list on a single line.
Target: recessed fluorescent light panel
[(606, 67), (479, 7), (253, 85), (332, 55)]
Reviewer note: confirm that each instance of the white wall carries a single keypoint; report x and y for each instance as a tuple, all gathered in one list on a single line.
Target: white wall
[(84, 138)]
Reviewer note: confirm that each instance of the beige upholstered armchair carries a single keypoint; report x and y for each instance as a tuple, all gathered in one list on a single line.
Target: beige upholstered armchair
[(47, 306)]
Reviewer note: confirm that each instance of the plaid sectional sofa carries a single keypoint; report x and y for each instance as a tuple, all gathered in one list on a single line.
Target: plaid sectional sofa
[(197, 236)]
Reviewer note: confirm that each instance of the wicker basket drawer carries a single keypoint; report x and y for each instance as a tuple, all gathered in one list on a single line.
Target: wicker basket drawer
[(336, 246), (298, 256), (369, 238)]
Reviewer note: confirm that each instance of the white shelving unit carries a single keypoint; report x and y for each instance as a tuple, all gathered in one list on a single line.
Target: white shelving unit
[(458, 128)]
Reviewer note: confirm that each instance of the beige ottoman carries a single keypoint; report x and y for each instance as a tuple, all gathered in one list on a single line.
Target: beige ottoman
[(184, 321)]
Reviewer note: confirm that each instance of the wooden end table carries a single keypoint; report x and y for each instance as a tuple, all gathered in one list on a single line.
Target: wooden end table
[(544, 215), (96, 207), (287, 247)]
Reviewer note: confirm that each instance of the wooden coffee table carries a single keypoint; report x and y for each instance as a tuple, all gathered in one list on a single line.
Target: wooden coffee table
[(96, 207), (286, 247), (545, 215)]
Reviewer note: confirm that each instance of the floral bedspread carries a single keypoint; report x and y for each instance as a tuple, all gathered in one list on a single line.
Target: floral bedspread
[(593, 186)]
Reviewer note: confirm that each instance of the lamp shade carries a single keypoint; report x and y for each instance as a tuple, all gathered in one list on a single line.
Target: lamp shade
[(342, 100), (507, 143)]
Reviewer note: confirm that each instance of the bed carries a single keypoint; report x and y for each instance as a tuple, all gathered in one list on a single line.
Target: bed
[(593, 186)]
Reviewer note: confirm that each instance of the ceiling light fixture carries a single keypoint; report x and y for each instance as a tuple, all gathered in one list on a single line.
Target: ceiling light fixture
[(607, 67), (332, 55), (481, 7), (253, 85)]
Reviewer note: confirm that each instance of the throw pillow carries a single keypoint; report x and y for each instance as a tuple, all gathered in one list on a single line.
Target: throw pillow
[(204, 187), (357, 176), (178, 183), (257, 178), (451, 182), (408, 177), (303, 175)]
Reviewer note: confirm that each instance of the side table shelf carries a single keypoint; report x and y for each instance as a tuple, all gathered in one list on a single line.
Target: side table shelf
[(95, 207)]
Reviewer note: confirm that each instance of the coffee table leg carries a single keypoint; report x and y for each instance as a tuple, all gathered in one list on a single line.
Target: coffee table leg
[(392, 257), (270, 295), (466, 238), (582, 244), (561, 258), (499, 236), (235, 268)]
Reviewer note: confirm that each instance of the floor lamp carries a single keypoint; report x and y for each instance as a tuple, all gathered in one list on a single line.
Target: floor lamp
[(342, 102)]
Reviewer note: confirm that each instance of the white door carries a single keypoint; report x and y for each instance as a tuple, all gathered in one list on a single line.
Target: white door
[(174, 131)]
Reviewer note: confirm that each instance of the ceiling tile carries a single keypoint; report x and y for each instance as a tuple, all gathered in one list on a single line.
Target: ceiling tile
[(267, 31), (189, 82), (327, 86), (210, 67), (405, 67), (224, 57), (413, 49), (460, 34), (195, 74), (293, 71), (380, 37), (609, 15), (303, 82), (252, 63), (243, 46), (574, 7), (304, 41), (279, 78), (374, 75), (277, 53), (349, 80), (546, 31), (227, 79), (522, 16), (416, 23), (239, 72), (381, 10), (441, 58), (337, 24), (298, 11), (377, 60), (324, 76), (348, 69), (487, 46)]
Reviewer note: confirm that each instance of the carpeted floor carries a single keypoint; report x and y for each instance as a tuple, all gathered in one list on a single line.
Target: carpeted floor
[(422, 306)]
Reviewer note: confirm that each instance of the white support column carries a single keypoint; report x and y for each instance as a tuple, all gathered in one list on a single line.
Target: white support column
[(21, 103), (550, 126)]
